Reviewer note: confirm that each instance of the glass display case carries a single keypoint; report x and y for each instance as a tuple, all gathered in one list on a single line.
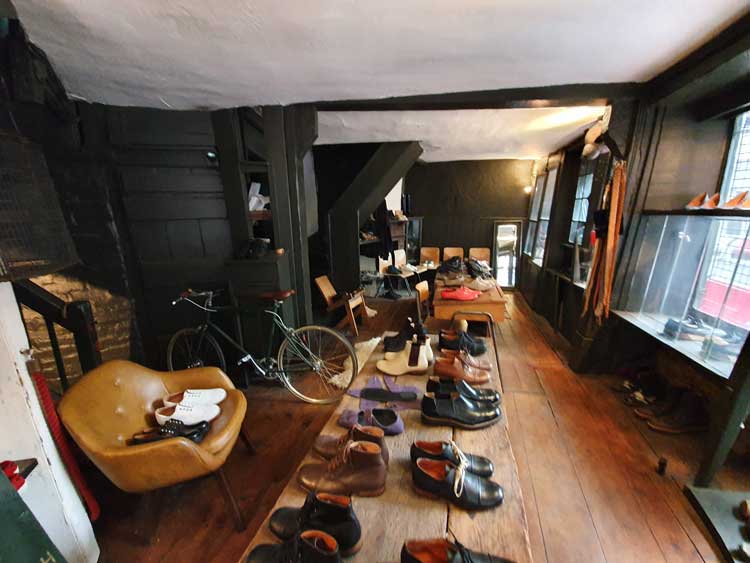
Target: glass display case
[(689, 285)]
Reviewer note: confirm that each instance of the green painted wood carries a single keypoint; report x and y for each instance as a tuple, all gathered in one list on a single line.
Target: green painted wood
[(718, 511)]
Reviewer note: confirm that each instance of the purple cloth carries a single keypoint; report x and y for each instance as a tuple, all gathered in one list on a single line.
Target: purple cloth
[(387, 419), (372, 383)]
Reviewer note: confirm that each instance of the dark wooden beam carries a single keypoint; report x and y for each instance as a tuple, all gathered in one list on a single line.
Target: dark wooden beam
[(387, 166), (730, 101), (733, 41), (228, 138), (537, 97), (290, 132)]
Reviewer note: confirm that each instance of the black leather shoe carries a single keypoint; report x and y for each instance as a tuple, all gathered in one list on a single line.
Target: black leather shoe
[(396, 343), (332, 514), (441, 479), (462, 341), (445, 387), (458, 411), (312, 546), (449, 451), (442, 551)]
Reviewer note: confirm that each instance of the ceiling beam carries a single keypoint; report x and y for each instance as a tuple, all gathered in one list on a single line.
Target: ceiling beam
[(511, 98)]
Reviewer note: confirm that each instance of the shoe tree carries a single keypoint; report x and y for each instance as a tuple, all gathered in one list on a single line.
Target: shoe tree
[(696, 202), (712, 202), (735, 202)]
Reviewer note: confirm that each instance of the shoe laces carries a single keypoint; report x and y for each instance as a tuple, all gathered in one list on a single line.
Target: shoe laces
[(462, 551), (341, 458), (463, 463)]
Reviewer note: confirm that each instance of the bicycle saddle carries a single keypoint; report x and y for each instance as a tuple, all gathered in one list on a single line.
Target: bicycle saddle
[(276, 295)]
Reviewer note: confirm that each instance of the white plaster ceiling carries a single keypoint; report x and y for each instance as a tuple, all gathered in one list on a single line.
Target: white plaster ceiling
[(206, 54), (463, 134)]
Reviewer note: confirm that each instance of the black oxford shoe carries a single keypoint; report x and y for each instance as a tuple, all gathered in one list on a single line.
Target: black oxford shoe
[(446, 387), (458, 411), (332, 514), (312, 546), (441, 479), (442, 551), (449, 451)]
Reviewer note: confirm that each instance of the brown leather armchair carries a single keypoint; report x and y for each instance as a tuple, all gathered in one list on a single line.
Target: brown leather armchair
[(117, 399)]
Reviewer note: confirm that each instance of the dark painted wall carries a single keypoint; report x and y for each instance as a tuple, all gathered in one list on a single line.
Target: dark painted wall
[(460, 200)]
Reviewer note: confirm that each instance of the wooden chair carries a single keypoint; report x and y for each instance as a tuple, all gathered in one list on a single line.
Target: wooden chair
[(350, 301), (480, 254), (423, 297), (330, 295), (451, 251), (400, 256), (429, 253), (355, 305)]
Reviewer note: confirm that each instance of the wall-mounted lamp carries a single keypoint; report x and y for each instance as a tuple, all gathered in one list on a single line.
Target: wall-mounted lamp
[(527, 189)]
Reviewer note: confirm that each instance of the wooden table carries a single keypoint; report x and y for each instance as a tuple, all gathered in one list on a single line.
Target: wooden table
[(400, 514), (491, 301)]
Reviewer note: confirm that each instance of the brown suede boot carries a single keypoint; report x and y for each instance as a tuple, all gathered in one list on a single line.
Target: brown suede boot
[(358, 469), (328, 446)]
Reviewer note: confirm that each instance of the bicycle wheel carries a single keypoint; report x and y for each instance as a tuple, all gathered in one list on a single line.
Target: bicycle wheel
[(317, 364), (193, 348)]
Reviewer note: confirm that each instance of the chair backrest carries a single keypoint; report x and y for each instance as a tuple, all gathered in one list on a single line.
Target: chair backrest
[(111, 403), (480, 254), (451, 251), (429, 253), (327, 290), (400, 256), (423, 296)]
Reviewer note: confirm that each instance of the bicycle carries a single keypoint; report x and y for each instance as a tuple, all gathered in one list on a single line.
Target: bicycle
[(315, 363)]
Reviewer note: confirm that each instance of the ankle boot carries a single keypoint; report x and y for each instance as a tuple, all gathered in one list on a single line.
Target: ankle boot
[(412, 359), (328, 446), (358, 469), (428, 350), (332, 514), (312, 546)]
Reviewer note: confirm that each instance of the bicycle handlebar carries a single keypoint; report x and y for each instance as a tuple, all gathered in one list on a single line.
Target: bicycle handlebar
[(189, 294)]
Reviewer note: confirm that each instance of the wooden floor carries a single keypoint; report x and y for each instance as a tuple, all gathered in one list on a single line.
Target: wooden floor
[(586, 466)]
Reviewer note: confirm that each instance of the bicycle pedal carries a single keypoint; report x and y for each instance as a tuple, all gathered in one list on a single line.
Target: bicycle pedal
[(244, 359)]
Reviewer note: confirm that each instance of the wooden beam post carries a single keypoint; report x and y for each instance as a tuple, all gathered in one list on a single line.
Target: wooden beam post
[(387, 166), (290, 132), (228, 139)]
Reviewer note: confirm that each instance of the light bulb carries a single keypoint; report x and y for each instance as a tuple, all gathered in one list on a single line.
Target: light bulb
[(527, 189)]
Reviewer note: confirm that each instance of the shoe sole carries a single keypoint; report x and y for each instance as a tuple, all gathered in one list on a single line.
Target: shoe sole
[(374, 493), (434, 421)]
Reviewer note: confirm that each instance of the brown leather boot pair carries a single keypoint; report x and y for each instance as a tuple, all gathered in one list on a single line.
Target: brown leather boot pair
[(328, 446), (357, 469)]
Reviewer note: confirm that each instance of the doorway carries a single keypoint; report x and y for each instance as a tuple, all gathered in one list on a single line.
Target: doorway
[(507, 251)]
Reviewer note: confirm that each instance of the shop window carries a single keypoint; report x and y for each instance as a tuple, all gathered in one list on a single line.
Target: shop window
[(581, 203), (544, 216), (536, 203), (690, 282)]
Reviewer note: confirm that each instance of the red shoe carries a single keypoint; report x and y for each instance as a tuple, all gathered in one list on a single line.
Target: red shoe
[(460, 294), (17, 481), (9, 468)]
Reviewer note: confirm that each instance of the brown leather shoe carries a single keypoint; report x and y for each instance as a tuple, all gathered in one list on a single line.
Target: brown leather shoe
[(454, 369), (358, 469), (467, 360), (328, 446)]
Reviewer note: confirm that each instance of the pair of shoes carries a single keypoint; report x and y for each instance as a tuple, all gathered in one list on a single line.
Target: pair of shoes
[(328, 446), (393, 270), (453, 280), (688, 416), (443, 388), (397, 342), (429, 264), (449, 451), (172, 428), (357, 469), (413, 359), (440, 550), (390, 294), (458, 341), (191, 406), (388, 420), (442, 479), (458, 411), (310, 546), (453, 368), (463, 293), (482, 284), (332, 514), (454, 264), (660, 407), (467, 360)]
